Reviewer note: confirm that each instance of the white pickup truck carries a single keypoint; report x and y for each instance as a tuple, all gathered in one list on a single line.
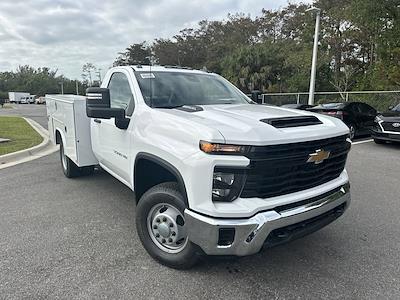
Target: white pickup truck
[(213, 172)]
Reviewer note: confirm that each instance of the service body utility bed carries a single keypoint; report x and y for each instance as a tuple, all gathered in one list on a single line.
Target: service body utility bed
[(67, 116)]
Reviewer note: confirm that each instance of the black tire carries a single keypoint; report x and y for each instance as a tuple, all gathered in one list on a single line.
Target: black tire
[(70, 169), (379, 141), (85, 171), (167, 193)]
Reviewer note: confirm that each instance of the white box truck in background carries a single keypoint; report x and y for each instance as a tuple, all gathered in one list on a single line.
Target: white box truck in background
[(28, 99), (15, 97)]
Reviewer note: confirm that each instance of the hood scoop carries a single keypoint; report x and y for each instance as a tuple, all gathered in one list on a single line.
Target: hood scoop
[(190, 108), (288, 122)]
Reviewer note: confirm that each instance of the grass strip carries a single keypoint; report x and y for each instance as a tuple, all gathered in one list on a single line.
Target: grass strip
[(21, 134)]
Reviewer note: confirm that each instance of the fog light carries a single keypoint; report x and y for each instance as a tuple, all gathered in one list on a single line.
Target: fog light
[(226, 236)]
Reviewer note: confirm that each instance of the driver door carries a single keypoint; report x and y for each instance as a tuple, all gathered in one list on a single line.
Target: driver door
[(368, 115), (114, 143)]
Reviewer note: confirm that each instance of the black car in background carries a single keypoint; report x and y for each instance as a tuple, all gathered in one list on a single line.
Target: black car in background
[(387, 126), (358, 116), (298, 106)]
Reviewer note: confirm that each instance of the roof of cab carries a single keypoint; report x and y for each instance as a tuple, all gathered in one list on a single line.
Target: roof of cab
[(146, 68)]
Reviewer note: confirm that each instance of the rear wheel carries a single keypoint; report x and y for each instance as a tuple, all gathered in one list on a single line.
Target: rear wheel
[(70, 169), (160, 224)]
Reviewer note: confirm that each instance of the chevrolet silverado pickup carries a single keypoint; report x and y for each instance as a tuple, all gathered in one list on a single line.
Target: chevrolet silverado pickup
[(212, 172)]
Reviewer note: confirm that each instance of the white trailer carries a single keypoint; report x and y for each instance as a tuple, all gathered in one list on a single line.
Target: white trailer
[(15, 97)]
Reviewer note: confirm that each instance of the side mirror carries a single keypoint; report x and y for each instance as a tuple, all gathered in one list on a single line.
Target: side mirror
[(391, 107), (97, 101), (98, 106), (256, 96)]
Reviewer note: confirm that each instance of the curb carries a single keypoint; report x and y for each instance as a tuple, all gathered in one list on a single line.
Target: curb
[(43, 149)]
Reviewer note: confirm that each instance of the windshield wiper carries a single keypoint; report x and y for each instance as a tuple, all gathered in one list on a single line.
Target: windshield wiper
[(169, 106), (184, 107)]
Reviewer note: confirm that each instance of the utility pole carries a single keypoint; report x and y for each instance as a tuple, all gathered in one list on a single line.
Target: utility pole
[(77, 86), (62, 87), (314, 55), (90, 77), (99, 75)]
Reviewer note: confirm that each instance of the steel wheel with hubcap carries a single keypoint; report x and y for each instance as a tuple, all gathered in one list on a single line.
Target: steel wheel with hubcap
[(69, 168), (161, 227), (63, 157), (166, 228)]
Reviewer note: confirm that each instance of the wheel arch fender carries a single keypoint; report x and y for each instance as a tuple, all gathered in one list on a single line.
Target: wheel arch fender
[(165, 172), (59, 136)]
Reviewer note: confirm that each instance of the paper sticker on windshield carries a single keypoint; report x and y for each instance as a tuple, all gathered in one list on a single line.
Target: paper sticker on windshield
[(147, 75)]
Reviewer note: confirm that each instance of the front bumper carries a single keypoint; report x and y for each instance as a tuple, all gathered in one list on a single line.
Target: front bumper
[(385, 136), (266, 228)]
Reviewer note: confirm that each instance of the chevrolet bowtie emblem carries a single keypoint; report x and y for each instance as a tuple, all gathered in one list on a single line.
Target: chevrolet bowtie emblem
[(318, 157)]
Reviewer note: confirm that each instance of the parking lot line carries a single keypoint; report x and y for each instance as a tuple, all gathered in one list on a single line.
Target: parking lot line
[(362, 142)]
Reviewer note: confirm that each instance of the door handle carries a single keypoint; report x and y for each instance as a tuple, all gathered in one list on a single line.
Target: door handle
[(97, 121)]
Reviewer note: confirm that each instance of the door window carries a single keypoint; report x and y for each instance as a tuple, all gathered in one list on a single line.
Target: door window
[(120, 93), (366, 109)]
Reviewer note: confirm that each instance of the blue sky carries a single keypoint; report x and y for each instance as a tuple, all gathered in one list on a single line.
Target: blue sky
[(65, 34)]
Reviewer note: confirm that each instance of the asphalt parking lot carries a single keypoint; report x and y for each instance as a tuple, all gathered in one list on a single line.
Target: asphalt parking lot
[(76, 239)]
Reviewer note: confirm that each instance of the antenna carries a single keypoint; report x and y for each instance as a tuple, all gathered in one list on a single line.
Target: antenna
[(150, 78), (99, 75)]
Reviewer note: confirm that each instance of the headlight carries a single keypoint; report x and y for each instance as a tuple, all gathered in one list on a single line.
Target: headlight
[(227, 185), (212, 148), (378, 119)]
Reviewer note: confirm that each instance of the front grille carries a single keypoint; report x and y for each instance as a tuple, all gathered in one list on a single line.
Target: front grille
[(283, 169), (388, 126)]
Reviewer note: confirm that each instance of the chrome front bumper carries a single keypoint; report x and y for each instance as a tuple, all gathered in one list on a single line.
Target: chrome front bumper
[(251, 234)]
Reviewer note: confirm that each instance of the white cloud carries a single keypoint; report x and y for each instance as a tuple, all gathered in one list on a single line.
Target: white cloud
[(65, 34)]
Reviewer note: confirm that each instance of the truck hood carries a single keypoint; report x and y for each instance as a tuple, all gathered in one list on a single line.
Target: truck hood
[(241, 123), (390, 116)]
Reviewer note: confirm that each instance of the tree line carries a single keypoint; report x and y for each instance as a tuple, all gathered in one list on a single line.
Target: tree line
[(41, 81), (37, 81), (359, 47)]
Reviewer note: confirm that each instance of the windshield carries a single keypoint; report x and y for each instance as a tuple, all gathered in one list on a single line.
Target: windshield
[(396, 108), (173, 89), (291, 105)]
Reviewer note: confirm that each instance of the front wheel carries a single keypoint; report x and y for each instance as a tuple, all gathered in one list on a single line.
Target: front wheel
[(161, 227)]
